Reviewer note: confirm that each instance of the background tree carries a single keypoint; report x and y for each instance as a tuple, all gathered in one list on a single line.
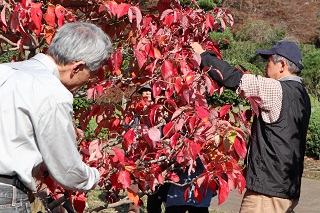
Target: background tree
[(151, 46)]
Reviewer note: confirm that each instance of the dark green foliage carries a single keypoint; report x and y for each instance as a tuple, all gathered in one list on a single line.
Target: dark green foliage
[(227, 97), (203, 4), (79, 103), (244, 53), (208, 4), (313, 136), (222, 37), (310, 73)]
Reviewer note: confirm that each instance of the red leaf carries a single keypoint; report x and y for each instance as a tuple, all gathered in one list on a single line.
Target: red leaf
[(115, 60), (79, 202), (157, 53), (179, 125), (90, 93), (149, 50), (186, 194), (194, 149), (224, 110), (137, 12), (197, 193), (203, 113), (168, 20), (166, 13), (133, 196), (255, 102), (231, 180), (223, 190), (113, 6), (51, 184), (168, 130), (173, 176), (124, 179), (26, 3), (174, 139), (3, 16), (157, 173), (122, 10), (114, 181), (245, 116), (115, 122), (60, 13), (128, 137), (99, 89), (141, 57), (153, 114), (209, 21), (240, 147), (14, 24), (95, 150), (189, 78), (154, 134), (50, 15), (222, 23), (211, 85), (178, 84), (49, 33), (170, 104), (167, 69), (191, 123), (241, 183), (119, 153), (188, 95), (212, 184)]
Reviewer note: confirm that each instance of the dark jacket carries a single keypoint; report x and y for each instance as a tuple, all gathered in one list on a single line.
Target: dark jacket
[(276, 150)]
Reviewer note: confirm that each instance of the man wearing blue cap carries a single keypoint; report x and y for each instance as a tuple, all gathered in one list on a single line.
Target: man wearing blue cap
[(274, 162)]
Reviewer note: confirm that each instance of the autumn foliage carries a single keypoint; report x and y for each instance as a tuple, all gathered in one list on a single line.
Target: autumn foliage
[(151, 46)]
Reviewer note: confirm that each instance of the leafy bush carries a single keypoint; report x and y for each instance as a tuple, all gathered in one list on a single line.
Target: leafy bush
[(313, 136), (228, 96), (208, 4), (222, 37), (244, 53), (259, 31), (310, 73)]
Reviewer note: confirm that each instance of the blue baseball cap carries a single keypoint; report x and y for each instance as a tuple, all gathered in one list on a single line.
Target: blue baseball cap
[(287, 49), (145, 87)]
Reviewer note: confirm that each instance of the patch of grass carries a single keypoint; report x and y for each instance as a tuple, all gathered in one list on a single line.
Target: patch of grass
[(96, 198)]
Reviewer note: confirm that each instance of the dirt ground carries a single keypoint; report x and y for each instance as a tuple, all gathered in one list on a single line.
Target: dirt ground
[(311, 168)]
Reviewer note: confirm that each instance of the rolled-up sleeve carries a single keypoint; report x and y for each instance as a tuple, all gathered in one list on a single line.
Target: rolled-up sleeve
[(57, 143), (268, 90)]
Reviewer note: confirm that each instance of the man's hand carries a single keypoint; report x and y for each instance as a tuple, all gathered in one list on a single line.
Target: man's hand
[(197, 47)]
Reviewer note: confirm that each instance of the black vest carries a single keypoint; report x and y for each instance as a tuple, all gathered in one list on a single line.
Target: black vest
[(276, 150)]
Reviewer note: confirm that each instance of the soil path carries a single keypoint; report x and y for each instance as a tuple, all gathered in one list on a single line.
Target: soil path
[(309, 201)]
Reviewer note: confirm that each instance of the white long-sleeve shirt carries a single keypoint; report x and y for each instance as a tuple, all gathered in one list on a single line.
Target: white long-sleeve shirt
[(36, 126)]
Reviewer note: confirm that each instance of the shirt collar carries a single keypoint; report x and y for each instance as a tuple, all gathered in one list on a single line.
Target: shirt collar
[(46, 61), (291, 78)]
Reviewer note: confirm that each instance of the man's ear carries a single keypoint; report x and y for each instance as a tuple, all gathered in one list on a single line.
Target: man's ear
[(284, 66), (76, 67)]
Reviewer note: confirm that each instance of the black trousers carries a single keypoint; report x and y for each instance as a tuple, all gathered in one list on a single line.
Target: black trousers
[(183, 209), (155, 200)]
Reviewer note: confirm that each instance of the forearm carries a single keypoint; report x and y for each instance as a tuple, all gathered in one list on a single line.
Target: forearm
[(220, 71), (57, 144)]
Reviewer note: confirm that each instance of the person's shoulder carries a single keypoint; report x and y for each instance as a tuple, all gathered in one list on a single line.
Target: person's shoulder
[(40, 82)]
